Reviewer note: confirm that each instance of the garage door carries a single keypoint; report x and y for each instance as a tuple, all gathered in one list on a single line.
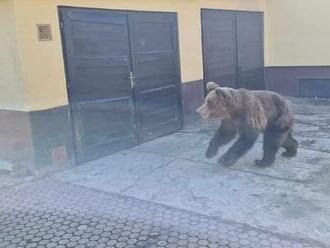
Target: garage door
[(157, 78), (123, 78), (233, 48)]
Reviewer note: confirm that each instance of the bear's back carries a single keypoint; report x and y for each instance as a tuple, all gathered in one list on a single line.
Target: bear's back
[(277, 109)]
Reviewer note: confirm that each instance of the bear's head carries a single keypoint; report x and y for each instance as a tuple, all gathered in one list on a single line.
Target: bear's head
[(217, 104)]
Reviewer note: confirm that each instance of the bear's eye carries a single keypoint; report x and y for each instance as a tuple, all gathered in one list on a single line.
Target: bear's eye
[(209, 103)]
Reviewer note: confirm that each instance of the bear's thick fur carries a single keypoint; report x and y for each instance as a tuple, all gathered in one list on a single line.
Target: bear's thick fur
[(247, 113)]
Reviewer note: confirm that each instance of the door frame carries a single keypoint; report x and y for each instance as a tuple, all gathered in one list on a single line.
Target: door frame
[(73, 126), (233, 11)]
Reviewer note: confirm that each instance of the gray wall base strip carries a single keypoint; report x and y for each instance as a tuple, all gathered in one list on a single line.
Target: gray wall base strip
[(37, 139), (16, 145), (285, 79), (51, 133)]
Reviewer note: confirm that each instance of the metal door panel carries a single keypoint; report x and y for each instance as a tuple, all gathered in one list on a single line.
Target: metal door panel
[(156, 71), (219, 47), (105, 83), (250, 50), (98, 65)]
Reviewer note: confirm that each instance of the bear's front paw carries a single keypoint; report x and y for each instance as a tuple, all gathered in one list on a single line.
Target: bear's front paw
[(259, 162)]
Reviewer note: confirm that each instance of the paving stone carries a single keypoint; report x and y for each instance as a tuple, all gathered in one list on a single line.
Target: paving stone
[(107, 225)]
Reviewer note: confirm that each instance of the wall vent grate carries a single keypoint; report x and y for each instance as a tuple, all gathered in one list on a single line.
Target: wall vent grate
[(44, 32)]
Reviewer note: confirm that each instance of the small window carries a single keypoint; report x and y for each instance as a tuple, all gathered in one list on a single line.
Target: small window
[(44, 32)]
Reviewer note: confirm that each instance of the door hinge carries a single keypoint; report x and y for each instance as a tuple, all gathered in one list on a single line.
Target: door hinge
[(131, 79)]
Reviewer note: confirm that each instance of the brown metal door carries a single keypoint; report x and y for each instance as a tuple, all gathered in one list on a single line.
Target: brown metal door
[(233, 48), (156, 70), (123, 78), (98, 65), (250, 50), (219, 47)]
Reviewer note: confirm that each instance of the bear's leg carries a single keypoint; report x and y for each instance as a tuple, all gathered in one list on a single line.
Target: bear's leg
[(291, 146), (239, 148), (273, 140), (226, 132)]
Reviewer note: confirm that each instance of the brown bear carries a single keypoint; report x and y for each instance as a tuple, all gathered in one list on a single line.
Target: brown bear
[(247, 113)]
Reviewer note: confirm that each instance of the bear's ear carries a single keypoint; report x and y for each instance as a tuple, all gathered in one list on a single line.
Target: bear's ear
[(222, 93), (211, 86)]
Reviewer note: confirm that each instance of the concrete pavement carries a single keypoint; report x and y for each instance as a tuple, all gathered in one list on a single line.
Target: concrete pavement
[(292, 197)]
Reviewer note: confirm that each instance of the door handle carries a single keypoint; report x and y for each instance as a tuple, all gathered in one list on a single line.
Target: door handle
[(131, 79)]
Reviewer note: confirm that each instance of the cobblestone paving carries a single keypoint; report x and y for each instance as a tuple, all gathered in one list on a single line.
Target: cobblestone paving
[(50, 213)]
